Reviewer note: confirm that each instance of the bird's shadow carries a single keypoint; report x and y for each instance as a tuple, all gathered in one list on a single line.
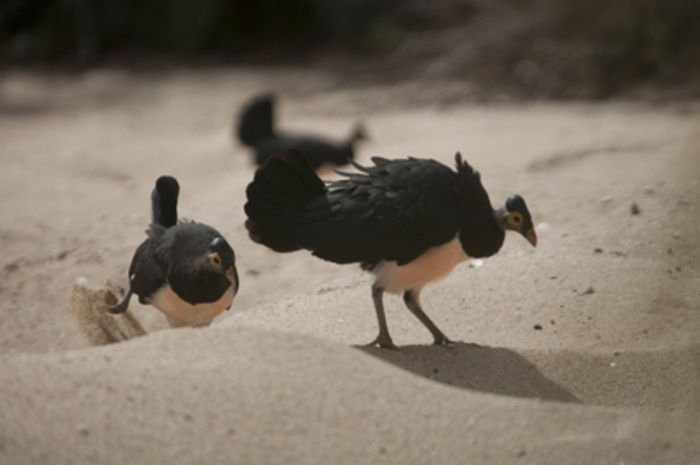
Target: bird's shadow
[(494, 370)]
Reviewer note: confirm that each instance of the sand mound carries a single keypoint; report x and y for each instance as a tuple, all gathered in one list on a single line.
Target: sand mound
[(588, 349), (90, 310), (264, 397)]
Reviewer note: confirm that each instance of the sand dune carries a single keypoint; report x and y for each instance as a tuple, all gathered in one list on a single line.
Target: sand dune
[(543, 372), (265, 397)]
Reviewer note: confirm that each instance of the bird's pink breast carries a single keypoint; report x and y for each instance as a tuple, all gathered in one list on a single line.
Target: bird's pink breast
[(181, 313), (434, 264)]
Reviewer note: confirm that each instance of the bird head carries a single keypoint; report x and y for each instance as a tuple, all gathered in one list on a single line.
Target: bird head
[(222, 259), (516, 217), (359, 134)]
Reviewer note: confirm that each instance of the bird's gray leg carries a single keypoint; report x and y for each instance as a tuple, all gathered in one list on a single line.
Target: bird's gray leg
[(410, 298), (123, 304), (383, 339)]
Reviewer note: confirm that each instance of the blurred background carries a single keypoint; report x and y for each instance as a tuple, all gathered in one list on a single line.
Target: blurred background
[(502, 48)]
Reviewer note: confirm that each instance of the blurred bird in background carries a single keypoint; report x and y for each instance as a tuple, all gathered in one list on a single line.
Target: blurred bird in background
[(256, 129)]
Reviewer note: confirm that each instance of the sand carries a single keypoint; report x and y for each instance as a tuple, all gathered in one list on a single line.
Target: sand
[(544, 371)]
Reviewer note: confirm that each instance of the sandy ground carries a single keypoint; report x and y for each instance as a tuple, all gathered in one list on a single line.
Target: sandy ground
[(559, 376)]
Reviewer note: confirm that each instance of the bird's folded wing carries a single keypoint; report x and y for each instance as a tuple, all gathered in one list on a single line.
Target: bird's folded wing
[(391, 211), (146, 273)]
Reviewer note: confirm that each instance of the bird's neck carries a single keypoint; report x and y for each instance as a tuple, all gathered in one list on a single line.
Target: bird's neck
[(346, 152), (501, 215), (482, 235), (355, 137), (350, 143)]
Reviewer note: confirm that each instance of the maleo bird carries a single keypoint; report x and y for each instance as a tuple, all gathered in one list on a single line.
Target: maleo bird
[(185, 269), (256, 129), (408, 221)]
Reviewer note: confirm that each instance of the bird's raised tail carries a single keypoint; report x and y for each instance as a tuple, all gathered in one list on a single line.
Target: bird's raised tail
[(164, 201), (281, 198), (256, 120)]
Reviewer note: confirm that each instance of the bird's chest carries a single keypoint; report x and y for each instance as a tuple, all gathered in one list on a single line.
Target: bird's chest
[(434, 264), (181, 313)]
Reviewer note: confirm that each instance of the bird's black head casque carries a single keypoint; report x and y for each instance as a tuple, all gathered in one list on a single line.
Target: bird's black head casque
[(519, 218)]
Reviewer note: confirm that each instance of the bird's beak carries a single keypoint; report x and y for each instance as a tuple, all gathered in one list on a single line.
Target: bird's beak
[(531, 236), (232, 276)]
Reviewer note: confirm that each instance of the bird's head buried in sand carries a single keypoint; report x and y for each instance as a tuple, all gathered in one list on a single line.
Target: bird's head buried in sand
[(516, 217), (221, 259)]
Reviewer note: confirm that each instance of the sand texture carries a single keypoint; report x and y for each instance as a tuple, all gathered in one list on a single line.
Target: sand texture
[(583, 350)]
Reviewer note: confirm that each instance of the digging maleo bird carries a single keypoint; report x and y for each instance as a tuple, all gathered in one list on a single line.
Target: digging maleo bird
[(185, 269), (256, 129), (407, 221)]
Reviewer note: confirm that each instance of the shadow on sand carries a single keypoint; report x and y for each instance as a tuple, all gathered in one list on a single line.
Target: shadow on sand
[(468, 366)]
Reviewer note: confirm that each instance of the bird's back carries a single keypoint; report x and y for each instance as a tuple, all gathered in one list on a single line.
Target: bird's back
[(317, 150), (393, 211)]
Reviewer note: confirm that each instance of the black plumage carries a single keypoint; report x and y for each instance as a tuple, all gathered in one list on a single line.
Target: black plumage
[(183, 268), (409, 221), (256, 128)]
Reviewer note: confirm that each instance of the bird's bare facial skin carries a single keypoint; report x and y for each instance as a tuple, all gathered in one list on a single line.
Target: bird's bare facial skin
[(515, 220), (215, 260)]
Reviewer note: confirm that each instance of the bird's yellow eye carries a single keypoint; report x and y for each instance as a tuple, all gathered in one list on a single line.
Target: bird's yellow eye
[(215, 259), (516, 218)]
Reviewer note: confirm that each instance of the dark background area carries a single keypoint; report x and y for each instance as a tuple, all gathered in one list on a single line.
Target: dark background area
[(531, 48)]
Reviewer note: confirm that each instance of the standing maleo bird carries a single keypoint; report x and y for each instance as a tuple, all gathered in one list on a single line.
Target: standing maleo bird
[(256, 129), (185, 269), (407, 221)]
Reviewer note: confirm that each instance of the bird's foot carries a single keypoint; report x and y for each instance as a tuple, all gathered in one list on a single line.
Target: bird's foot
[(443, 341), (383, 342)]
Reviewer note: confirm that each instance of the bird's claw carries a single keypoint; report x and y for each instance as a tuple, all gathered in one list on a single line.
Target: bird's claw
[(444, 342), (382, 342)]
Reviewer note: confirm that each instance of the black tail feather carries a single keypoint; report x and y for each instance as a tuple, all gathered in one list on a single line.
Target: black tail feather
[(256, 120), (281, 194), (164, 201)]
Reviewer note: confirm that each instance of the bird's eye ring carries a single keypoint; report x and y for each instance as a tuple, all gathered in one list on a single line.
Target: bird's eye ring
[(215, 259), (517, 218)]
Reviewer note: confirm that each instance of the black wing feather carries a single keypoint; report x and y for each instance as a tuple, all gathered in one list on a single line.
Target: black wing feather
[(394, 211), (148, 271)]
